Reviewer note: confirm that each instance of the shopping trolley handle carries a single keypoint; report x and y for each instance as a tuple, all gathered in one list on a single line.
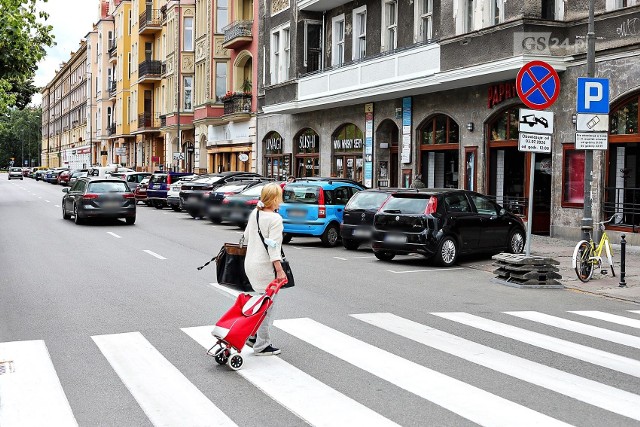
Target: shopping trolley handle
[(276, 284)]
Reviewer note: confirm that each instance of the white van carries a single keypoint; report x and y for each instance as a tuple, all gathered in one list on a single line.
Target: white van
[(103, 171)]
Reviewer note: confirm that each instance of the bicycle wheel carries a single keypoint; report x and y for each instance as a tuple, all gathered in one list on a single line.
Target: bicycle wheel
[(584, 266)]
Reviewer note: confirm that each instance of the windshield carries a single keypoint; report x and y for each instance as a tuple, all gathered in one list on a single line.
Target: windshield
[(301, 194), (78, 174), (108, 187), (159, 179), (253, 191), (231, 188), (406, 205), (16, 170), (367, 200), (207, 180)]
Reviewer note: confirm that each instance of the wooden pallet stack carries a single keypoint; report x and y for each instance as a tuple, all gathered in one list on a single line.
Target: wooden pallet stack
[(521, 271)]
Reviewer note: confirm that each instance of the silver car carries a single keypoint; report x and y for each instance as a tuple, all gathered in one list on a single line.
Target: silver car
[(133, 179), (15, 173)]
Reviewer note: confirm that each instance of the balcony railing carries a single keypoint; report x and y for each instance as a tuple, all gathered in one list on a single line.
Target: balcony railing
[(113, 48), (237, 33), (111, 129), (150, 69), (163, 121), (148, 121), (625, 202), (150, 20), (112, 85), (239, 103)]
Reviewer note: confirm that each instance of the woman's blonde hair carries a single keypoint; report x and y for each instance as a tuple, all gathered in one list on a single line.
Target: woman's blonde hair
[(271, 196)]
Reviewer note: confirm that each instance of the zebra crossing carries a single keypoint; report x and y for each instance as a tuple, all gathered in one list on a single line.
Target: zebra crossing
[(168, 398)]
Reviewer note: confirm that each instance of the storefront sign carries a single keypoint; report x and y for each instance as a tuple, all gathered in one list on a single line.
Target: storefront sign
[(368, 146), (592, 141), (120, 151), (501, 92), (243, 157), (406, 130), (347, 144), (534, 143), (273, 143), (308, 142)]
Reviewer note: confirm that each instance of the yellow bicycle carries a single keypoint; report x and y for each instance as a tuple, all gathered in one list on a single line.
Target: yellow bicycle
[(587, 257)]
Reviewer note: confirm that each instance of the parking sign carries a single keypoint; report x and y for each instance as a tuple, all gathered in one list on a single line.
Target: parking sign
[(593, 95)]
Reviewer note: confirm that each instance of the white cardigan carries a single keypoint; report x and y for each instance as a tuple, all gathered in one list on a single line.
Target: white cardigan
[(259, 264)]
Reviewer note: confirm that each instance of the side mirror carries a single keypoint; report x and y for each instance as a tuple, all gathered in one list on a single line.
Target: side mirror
[(65, 190)]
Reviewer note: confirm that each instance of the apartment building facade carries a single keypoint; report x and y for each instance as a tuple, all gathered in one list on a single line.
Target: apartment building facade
[(382, 90)]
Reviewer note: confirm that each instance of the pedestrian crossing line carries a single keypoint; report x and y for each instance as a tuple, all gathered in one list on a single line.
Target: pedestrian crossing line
[(580, 328), (608, 317), (163, 393), (634, 311), (582, 389), (470, 402), (295, 389), (31, 394), (567, 348)]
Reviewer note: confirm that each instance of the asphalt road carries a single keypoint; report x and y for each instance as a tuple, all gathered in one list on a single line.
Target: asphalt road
[(123, 315)]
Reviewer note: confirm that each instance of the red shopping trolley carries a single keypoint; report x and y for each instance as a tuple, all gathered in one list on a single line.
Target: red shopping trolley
[(240, 322)]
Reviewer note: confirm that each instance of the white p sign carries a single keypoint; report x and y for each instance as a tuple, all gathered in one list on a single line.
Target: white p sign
[(593, 95)]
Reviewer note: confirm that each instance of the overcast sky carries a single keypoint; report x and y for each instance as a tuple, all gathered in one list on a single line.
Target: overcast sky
[(71, 21)]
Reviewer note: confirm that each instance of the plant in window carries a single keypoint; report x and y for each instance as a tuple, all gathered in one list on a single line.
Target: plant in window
[(246, 86)]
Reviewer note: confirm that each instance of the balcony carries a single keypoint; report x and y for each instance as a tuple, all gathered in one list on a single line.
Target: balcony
[(237, 34), (111, 129), (320, 5), (113, 50), (112, 86), (148, 122), (150, 21), (163, 121), (163, 68), (150, 70), (237, 104)]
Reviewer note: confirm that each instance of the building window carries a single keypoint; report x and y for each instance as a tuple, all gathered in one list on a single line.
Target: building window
[(359, 33), (307, 152), (390, 20), (312, 46), (188, 34), (276, 164), (222, 15), (337, 56), (424, 20), (496, 13), (572, 177), (469, 14), (280, 55), (619, 4), (348, 148), (221, 80), (129, 64), (188, 93), (553, 10)]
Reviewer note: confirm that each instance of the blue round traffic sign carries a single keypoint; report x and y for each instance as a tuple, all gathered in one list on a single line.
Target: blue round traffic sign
[(538, 85)]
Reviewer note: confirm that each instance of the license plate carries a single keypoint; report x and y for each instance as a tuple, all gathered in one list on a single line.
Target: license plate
[(362, 233), (237, 215), (112, 204), (297, 214), (395, 238)]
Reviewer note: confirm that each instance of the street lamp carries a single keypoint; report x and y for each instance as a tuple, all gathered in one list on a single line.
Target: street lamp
[(587, 218)]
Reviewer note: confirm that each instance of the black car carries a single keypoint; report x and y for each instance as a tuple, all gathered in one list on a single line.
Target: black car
[(99, 198), (444, 223), (237, 207), (357, 223), (214, 201), (193, 195)]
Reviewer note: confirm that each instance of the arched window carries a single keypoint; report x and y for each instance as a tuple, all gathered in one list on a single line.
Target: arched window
[(276, 164), (307, 152), (439, 138), (440, 129), (504, 127), (348, 147)]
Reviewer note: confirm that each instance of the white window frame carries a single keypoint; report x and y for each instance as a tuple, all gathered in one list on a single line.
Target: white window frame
[(423, 17), (187, 40), (469, 20), (389, 28), (217, 94), (359, 34), (617, 4), (280, 50), (219, 9), (187, 92), (337, 40)]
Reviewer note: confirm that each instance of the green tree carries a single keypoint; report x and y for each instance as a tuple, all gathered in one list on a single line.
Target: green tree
[(20, 136), (23, 38)]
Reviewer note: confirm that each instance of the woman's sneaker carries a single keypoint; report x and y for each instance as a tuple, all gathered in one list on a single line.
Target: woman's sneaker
[(251, 341), (269, 351)]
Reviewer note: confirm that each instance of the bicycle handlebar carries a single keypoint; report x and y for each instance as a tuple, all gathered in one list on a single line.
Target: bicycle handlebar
[(609, 220)]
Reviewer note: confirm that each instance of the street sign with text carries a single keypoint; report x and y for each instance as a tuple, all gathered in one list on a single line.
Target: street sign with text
[(534, 143), (592, 140)]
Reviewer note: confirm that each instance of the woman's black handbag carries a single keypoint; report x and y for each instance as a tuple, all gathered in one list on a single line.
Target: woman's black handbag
[(230, 267), (285, 264)]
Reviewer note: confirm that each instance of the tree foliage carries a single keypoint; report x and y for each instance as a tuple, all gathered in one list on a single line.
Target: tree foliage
[(20, 136), (23, 38)]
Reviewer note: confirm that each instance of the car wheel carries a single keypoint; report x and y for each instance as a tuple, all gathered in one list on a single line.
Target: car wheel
[(76, 217), (286, 238), (130, 220), (516, 242), (216, 219), (447, 252), (331, 236), (193, 214), (385, 255), (65, 215), (350, 244), (157, 205), (176, 208)]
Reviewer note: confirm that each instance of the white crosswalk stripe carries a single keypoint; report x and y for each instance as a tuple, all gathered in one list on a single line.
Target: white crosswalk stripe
[(31, 393), (585, 390), (163, 393), (568, 348), (580, 328), (608, 317), (294, 389), (461, 398)]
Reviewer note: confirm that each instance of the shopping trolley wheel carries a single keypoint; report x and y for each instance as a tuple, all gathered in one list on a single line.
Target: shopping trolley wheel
[(221, 357), (235, 362)]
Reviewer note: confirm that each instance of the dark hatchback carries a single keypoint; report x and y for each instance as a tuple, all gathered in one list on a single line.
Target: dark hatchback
[(357, 223), (215, 201), (193, 195), (237, 208), (443, 224), (98, 198)]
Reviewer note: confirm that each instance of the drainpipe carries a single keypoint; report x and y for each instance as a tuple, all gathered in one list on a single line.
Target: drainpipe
[(322, 42)]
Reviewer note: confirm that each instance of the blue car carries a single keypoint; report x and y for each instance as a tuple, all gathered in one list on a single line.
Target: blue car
[(314, 207), (159, 186)]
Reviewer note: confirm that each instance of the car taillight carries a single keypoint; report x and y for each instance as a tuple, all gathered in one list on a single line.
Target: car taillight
[(225, 201), (90, 196), (432, 206), (322, 209), (206, 193), (320, 196), (129, 196), (251, 202), (168, 179)]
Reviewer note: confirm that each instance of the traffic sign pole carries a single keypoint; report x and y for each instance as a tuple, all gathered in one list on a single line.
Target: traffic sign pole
[(587, 219), (530, 210)]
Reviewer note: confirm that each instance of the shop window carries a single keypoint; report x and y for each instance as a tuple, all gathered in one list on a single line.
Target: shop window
[(470, 168), (277, 165), (505, 127), (307, 156), (573, 177), (440, 130), (624, 120), (348, 146)]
